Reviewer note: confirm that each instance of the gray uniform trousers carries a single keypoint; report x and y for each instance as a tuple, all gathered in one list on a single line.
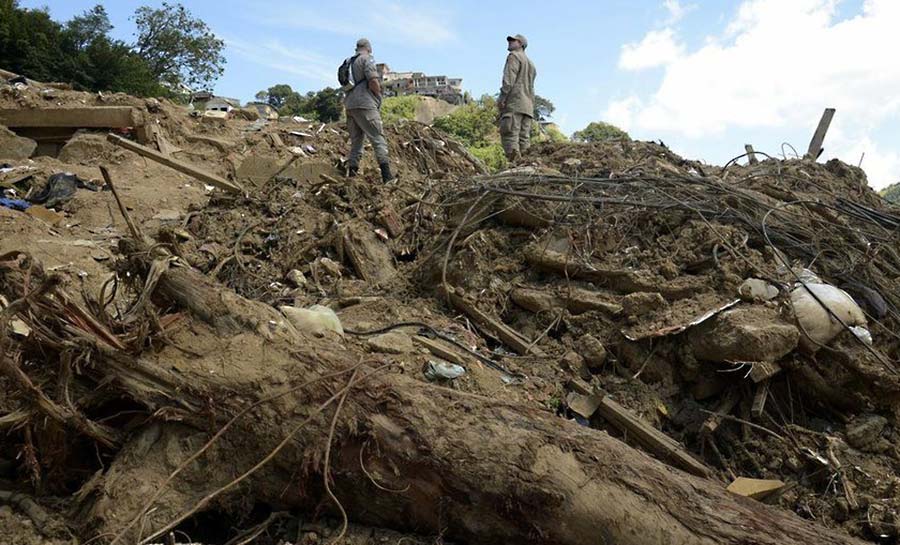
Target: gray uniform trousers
[(515, 133), (362, 123)]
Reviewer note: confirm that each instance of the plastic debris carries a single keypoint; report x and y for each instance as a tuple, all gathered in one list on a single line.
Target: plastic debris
[(316, 319), (442, 370)]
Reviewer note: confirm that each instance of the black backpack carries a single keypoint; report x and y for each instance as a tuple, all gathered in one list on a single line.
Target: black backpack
[(345, 74)]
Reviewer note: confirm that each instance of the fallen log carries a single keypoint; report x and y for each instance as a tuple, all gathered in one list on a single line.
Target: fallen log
[(405, 454), (621, 280), (180, 166)]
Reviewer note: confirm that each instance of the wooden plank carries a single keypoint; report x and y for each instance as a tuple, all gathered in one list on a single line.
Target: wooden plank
[(759, 399), (508, 335), (97, 117), (442, 350), (180, 166), (650, 438), (815, 145), (751, 155), (763, 370), (725, 406)]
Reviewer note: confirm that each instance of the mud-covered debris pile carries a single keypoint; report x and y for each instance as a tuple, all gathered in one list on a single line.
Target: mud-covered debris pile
[(675, 304)]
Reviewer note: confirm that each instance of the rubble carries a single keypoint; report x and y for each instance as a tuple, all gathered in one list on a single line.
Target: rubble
[(614, 284)]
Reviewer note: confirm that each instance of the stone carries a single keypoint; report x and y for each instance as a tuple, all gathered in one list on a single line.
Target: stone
[(864, 432), (593, 352), (296, 278), (754, 289), (752, 333), (167, 215), (755, 488), (641, 303), (13, 146), (534, 300), (392, 342)]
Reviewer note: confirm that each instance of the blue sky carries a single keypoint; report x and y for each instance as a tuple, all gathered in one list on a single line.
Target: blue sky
[(705, 77)]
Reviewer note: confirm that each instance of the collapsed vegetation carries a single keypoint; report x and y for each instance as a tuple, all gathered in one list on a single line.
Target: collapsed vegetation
[(594, 287)]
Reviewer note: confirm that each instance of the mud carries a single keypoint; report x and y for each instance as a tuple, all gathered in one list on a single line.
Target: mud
[(621, 262)]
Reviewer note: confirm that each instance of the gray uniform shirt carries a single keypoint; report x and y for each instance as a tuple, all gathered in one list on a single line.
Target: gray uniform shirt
[(360, 97), (517, 90)]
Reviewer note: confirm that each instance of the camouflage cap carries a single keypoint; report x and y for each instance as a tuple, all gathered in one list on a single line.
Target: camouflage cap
[(522, 39), (363, 43)]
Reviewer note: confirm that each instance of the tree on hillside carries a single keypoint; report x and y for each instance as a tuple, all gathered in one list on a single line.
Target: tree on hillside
[(178, 47), (29, 41), (326, 104), (276, 95), (79, 51), (543, 108), (599, 131), (88, 27), (472, 123), (891, 193)]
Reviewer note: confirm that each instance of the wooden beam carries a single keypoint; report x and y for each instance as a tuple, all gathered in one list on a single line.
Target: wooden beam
[(723, 409), (815, 145), (751, 155), (96, 117), (180, 166), (763, 370), (442, 350), (650, 438), (494, 326), (759, 399)]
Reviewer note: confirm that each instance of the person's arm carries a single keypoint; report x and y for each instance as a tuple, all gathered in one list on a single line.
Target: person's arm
[(510, 71), (375, 86), (372, 77)]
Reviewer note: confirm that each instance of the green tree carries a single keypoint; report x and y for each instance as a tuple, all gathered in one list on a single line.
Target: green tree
[(474, 124), (394, 109), (179, 48), (599, 131), (327, 105), (79, 52), (276, 95), (891, 193), (543, 108), (29, 41), (91, 26)]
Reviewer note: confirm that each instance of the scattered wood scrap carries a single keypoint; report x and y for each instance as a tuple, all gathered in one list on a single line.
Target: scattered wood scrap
[(649, 437), (180, 166), (494, 326), (442, 350), (757, 489)]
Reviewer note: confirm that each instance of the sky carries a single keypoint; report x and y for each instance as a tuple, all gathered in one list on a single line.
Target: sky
[(703, 76)]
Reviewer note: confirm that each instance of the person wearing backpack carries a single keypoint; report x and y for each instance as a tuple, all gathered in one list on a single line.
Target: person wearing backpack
[(359, 80), (516, 102)]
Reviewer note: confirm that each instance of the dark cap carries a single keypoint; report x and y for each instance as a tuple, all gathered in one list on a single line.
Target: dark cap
[(522, 39), (363, 43)]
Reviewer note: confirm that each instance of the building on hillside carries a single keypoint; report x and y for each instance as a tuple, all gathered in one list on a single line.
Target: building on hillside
[(418, 83), (222, 104), (265, 111)]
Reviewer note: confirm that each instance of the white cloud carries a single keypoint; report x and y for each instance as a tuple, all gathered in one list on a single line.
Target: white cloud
[(290, 60), (393, 21), (775, 66), (658, 48), (677, 10)]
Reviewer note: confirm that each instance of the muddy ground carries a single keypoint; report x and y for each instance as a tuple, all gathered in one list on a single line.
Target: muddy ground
[(619, 266)]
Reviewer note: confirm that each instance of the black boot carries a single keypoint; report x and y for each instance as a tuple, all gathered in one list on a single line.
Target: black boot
[(386, 175), (352, 171)]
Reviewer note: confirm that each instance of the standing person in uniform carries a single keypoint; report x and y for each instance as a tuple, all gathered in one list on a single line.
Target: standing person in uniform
[(363, 103), (516, 102)]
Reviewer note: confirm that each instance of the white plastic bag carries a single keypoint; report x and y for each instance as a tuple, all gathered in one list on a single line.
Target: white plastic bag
[(315, 319), (816, 324)]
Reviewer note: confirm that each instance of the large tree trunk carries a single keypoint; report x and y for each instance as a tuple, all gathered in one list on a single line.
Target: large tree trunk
[(478, 470)]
